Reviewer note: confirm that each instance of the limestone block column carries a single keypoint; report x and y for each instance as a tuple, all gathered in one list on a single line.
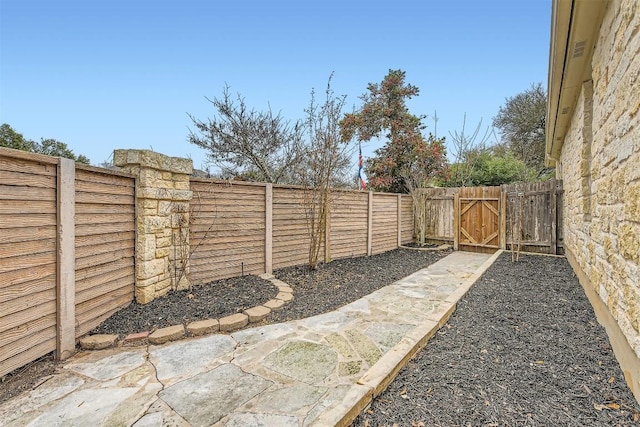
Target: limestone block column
[(162, 220)]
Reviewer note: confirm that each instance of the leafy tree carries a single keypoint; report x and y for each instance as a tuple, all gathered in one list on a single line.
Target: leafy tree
[(384, 112), (521, 122), (52, 147), (252, 144), (490, 166), (11, 139)]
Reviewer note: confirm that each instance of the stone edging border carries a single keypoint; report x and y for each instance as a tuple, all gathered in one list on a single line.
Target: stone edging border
[(198, 327)]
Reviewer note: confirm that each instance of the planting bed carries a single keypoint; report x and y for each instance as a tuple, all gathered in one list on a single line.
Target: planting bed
[(523, 348)]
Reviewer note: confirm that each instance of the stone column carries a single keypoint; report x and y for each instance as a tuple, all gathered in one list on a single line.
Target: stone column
[(162, 220)]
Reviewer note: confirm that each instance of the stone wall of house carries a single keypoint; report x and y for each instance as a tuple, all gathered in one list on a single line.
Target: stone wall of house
[(162, 224), (600, 165)]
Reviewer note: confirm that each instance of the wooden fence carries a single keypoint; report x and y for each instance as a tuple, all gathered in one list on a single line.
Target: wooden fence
[(538, 204), (251, 228), (66, 253)]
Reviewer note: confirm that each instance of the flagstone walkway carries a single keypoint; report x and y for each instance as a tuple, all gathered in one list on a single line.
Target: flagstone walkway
[(318, 371)]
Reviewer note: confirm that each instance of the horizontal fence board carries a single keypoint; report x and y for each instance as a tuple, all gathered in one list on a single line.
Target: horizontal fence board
[(86, 178), (17, 249), (36, 167), (18, 207), (21, 352), (27, 179), (102, 239), (91, 314), (30, 314), (21, 299), (126, 251), (26, 220), (23, 331), (97, 208), (23, 234), (15, 192), (26, 261), (89, 229), (107, 287), (108, 199)]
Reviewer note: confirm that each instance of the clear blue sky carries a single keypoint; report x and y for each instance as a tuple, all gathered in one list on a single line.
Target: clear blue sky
[(106, 74)]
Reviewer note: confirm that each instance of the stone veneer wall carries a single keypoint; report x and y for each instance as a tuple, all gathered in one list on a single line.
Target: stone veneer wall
[(600, 165), (162, 220)]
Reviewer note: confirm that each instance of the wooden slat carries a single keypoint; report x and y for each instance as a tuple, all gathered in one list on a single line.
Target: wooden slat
[(22, 282), (126, 280), (27, 351), (14, 164), (27, 179), (100, 270), (17, 249), (14, 192), (86, 178), (19, 207), (28, 315), (86, 322), (109, 199), (26, 329), (93, 208), (89, 229), (23, 300), (26, 261), (104, 258), (22, 234), (26, 220), (90, 240)]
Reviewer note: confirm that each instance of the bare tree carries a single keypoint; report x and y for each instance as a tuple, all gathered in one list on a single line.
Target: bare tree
[(255, 145), (466, 147), (326, 164), (521, 122)]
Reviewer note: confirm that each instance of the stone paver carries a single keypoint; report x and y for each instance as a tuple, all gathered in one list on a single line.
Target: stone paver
[(319, 371)]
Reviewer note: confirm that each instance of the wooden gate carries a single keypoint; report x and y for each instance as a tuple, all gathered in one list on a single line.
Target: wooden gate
[(478, 219)]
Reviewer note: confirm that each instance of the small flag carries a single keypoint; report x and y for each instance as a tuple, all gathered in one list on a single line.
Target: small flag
[(361, 184)]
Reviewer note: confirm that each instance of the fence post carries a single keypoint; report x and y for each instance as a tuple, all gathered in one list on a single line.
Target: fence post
[(66, 273), (399, 220), (370, 225), (503, 217), (268, 229), (554, 217), (456, 221), (163, 198)]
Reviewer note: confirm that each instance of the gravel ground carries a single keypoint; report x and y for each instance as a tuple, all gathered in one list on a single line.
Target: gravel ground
[(523, 348)]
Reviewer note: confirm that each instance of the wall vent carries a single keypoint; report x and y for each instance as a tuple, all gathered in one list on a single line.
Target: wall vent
[(578, 48)]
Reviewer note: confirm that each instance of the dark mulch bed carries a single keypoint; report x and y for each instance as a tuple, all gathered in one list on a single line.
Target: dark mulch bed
[(523, 348), (211, 301)]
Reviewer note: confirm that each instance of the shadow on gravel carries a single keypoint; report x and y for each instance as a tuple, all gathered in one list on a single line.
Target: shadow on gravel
[(523, 348)]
